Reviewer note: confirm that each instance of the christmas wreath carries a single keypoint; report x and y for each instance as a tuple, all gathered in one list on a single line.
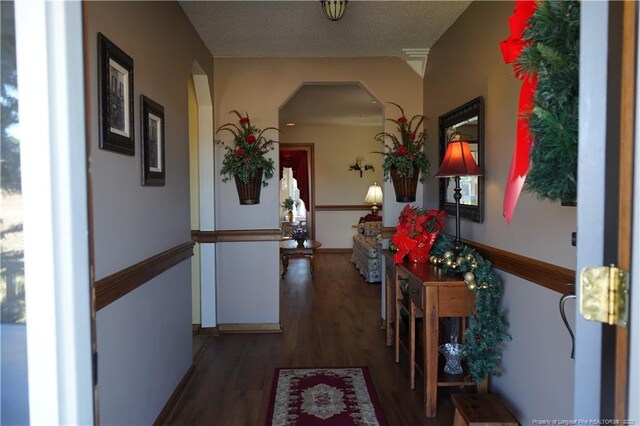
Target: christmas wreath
[(554, 55), (544, 46)]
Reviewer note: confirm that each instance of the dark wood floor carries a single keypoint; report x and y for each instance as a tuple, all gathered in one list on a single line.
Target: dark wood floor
[(330, 321)]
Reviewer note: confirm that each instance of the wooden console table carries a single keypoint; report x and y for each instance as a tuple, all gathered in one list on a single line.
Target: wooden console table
[(431, 296), (290, 248)]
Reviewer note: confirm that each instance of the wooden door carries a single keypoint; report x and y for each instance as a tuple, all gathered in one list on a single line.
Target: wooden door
[(605, 188)]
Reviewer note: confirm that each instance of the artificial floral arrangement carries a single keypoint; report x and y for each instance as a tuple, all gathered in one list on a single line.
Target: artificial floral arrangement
[(405, 153), (245, 156), (300, 235), (416, 233), (487, 329)]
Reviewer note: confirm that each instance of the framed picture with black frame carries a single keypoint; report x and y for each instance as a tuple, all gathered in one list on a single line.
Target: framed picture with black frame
[(152, 128), (115, 98)]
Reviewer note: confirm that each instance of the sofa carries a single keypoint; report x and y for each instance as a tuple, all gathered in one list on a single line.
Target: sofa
[(366, 250)]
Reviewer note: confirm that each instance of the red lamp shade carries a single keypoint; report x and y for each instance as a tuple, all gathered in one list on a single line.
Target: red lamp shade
[(458, 161)]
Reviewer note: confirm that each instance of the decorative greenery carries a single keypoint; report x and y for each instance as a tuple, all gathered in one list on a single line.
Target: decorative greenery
[(288, 204), (487, 328), (405, 153), (553, 55), (246, 155)]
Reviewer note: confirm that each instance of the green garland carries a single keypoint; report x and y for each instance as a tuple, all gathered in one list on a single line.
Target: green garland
[(553, 56), (487, 328)]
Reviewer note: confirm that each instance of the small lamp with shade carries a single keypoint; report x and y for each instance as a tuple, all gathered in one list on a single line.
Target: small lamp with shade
[(457, 162), (374, 196)]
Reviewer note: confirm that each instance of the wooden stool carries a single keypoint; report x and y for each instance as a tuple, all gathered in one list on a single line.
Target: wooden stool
[(480, 410)]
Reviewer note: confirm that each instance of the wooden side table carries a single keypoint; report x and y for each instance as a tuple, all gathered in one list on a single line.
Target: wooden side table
[(432, 295), (290, 248)]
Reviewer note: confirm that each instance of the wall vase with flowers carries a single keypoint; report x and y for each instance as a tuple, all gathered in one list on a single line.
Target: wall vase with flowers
[(404, 158), (245, 158)]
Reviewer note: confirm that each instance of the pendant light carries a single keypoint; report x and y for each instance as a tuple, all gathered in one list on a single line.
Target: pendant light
[(334, 9)]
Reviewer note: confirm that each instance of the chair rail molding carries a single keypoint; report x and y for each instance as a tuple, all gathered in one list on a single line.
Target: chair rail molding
[(111, 288)]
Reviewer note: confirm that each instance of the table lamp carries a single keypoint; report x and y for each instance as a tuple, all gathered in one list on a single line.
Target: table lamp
[(457, 162), (374, 196)]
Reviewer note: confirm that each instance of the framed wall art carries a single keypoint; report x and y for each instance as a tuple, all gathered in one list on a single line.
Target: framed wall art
[(115, 98), (152, 128)]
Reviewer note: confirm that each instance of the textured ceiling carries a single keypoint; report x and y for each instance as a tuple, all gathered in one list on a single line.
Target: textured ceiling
[(331, 105), (299, 28)]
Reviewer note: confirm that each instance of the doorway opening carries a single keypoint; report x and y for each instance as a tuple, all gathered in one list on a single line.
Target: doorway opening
[(297, 183), (339, 121)]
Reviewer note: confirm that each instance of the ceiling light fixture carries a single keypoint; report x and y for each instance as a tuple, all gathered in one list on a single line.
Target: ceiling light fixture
[(334, 9), (290, 124)]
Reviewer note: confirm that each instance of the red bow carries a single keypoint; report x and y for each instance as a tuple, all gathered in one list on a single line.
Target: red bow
[(404, 244), (511, 50)]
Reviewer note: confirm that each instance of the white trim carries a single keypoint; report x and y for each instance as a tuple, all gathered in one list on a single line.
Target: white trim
[(52, 131), (591, 196), (206, 171)]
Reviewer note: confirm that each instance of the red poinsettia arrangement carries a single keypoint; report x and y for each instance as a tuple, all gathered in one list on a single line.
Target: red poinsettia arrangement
[(246, 155), (404, 149), (416, 233)]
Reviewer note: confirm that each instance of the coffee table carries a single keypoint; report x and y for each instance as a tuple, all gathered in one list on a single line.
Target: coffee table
[(290, 248)]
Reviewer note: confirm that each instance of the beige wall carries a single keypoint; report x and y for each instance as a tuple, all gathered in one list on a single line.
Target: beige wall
[(144, 338), (261, 86), (335, 148), (463, 64)]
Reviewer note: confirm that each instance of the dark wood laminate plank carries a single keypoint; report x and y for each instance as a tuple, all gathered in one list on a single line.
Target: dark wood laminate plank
[(332, 320)]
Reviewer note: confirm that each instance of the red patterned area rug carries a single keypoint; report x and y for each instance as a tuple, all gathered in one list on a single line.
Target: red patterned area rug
[(324, 396)]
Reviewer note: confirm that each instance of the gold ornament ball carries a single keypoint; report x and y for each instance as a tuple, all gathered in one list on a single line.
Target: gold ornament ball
[(469, 257), (474, 264), (439, 260), (471, 286), (469, 277), (431, 259), (460, 260), (448, 255), (484, 285), (448, 262)]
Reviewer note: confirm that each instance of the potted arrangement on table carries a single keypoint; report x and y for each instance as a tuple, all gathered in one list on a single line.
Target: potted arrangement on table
[(300, 235), (245, 158), (404, 157), (288, 204)]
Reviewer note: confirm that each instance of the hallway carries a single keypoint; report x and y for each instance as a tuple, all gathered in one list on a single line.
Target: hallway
[(331, 321)]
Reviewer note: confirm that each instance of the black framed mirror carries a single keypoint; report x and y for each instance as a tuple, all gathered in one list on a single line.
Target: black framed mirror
[(464, 123)]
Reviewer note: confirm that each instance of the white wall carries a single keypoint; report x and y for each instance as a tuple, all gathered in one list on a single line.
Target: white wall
[(144, 338), (144, 348), (466, 63), (246, 294), (335, 148)]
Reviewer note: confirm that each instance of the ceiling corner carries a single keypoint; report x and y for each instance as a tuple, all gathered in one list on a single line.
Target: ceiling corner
[(416, 59)]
